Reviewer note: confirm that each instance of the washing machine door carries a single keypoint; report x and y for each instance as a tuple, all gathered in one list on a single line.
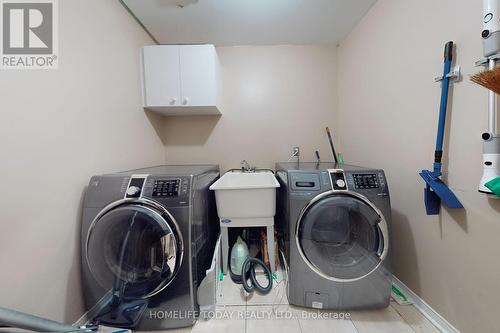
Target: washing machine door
[(342, 236), (134, 248)]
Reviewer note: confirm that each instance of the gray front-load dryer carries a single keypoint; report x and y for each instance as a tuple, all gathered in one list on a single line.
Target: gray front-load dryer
[(334, 230), (147, 238)]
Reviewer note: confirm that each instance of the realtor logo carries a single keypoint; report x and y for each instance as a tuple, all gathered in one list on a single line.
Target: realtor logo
[(29, 34)]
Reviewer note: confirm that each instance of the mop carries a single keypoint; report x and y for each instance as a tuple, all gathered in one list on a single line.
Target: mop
[(436, 191)]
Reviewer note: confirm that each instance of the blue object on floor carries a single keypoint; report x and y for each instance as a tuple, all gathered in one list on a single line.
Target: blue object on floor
[(436, 191)]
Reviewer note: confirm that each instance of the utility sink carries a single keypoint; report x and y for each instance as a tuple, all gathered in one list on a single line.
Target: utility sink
[(246, 199)]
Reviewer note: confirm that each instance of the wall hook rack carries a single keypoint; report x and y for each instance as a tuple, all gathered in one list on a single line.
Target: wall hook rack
[(453, 75), (485, 61)]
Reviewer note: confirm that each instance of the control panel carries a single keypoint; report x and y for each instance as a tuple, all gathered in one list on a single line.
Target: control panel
[(167, 188), (337, 178), (366, 181)]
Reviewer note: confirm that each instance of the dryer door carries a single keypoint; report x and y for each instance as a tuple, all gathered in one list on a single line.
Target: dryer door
[(342, 236), (134, 249)]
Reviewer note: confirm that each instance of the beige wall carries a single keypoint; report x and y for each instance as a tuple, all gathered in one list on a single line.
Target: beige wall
[(57, 129), (273, 98), (388, 108)]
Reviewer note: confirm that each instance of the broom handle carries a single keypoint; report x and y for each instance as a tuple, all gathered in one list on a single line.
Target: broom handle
[(332, 146), (448, 57)]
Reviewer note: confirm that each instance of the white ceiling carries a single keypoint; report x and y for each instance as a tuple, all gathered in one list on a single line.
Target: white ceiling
[(249, 22)]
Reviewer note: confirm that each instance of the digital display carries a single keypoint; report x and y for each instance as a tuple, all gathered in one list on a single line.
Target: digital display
[(365, 181), (166, 188)]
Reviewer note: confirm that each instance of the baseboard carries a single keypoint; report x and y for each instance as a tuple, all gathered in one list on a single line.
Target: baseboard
[(435, 318)]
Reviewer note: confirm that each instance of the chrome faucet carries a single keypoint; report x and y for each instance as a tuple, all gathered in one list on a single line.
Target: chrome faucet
[(245, 167)]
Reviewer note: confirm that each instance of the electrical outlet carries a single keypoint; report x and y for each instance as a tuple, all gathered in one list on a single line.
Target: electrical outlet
[(296, 151)]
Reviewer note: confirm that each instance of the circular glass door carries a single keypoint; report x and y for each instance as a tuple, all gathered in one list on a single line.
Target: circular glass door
[(134, 250), (342, 236)]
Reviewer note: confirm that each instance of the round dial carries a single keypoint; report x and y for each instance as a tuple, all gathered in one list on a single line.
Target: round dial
[(133, 190)]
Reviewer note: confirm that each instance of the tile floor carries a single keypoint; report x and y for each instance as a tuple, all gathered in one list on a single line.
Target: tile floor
[(239, 312)]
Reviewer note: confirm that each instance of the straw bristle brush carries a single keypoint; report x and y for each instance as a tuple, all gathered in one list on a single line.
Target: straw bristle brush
[(489, 79)]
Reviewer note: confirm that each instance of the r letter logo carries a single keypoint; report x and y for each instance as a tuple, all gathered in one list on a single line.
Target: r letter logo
[(29, 34)]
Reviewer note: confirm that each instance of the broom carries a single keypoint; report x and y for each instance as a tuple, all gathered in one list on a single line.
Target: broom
[(489, 79)]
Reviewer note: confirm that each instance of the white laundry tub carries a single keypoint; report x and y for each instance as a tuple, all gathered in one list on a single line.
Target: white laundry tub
[(246, 198)]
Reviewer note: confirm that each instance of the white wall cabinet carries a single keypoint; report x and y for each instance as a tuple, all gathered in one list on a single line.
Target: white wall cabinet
[(180, 79)]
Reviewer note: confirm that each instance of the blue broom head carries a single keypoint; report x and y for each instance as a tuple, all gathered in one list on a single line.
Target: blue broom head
[(432, 202)]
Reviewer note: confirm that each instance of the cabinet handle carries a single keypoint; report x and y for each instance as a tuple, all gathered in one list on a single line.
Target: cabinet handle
[(185, 101), (173, 101)]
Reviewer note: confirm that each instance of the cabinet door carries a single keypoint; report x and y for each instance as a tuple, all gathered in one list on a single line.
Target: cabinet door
[(161, 75), (198, 75)]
